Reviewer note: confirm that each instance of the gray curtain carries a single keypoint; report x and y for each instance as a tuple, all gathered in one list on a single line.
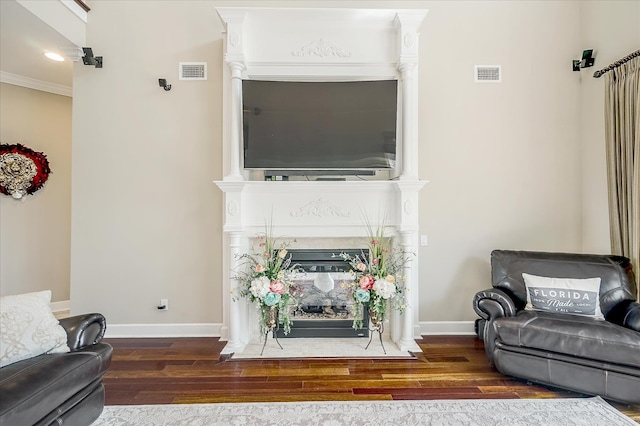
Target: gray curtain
[(622, 138)]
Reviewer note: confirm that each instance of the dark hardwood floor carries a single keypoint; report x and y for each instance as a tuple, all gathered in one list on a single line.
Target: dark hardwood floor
[(190, 370)]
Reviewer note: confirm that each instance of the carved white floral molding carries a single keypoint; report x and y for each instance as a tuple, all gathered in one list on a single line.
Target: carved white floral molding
[(320, 208), (409, 207), (321, 48), (409, 39), (233, 208), (234, 39)]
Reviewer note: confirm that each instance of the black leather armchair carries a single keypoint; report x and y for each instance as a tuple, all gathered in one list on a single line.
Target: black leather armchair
[(61, 388), (574, 352)]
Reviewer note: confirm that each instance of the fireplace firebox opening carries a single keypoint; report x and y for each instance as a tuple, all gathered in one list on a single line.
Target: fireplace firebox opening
[(325, 307)]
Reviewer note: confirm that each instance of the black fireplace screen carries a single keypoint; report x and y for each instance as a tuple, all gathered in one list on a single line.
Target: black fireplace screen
[(325, 307)]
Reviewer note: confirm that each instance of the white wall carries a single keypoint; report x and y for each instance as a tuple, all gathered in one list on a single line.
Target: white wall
[(146, 216), (503, 160), (35, 231)]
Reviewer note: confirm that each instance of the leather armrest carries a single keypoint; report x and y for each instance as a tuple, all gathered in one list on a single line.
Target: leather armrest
[(493, 303), (626, 314), (631, 317), (84, 330)]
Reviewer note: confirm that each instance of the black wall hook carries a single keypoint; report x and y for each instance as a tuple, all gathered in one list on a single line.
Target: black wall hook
[(587, 60), (163, 84), (89, 59)]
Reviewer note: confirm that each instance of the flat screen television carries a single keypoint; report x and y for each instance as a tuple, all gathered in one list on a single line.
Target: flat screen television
[(333, 127)]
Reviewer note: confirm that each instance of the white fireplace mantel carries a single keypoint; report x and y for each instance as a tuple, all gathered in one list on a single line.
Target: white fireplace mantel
[(319, 45)]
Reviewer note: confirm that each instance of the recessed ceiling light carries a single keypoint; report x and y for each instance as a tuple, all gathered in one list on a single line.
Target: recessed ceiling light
[(54, 56)]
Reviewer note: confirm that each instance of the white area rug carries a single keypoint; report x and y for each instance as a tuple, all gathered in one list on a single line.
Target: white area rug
[(512, 412), (324, 348)]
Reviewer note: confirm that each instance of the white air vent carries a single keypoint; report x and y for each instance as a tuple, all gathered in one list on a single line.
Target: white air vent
[(193, 71), (488, 73)]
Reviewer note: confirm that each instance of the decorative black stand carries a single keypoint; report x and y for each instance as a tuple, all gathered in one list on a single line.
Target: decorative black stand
[(378, 325), (273, 331), (274, 325)]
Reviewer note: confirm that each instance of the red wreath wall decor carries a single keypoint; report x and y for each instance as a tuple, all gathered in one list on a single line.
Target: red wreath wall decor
[(22, 170)]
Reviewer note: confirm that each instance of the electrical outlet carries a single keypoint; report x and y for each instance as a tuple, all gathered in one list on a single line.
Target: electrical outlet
[(164, 305)]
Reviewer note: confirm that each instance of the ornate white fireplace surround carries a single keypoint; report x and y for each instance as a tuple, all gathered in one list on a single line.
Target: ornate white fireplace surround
[(319, 45)]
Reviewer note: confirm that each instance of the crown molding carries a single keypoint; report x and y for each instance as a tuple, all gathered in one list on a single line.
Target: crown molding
[(32, 83), (74, 53)]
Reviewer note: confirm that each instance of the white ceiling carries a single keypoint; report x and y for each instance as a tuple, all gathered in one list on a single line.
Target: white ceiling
[(23, 40)]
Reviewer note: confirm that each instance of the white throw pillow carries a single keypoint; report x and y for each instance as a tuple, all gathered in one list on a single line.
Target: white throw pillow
[(28, 328), (578, 296)]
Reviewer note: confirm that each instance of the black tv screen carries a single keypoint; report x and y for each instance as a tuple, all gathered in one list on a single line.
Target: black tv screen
[(319, 125)]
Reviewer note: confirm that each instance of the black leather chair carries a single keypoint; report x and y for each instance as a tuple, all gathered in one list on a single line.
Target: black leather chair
[(60, 388), (575, 352)]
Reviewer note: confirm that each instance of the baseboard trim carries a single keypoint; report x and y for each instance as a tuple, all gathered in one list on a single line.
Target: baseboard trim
[(451, 328), (163, 330), (61, 306)]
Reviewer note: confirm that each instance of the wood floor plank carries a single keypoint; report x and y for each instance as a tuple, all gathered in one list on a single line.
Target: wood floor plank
[(359, 384), (277, 371), (278, 398), (191, 370)]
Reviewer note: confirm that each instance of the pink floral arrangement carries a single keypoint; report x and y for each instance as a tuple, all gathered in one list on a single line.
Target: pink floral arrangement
[(378, 276), (265, 278)]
